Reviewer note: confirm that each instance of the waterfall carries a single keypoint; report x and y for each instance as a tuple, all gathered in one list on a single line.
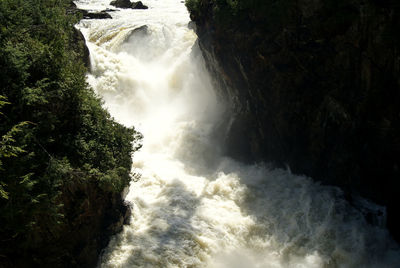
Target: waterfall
[(193, 207)]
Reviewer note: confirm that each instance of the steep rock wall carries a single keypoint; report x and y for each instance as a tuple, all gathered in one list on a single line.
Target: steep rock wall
[(91, 216), (314, 84)]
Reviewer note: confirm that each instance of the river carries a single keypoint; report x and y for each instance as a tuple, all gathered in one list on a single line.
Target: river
[(193, 207)]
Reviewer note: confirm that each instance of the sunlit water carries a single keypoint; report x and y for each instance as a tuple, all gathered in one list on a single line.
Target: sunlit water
[(192, 207)]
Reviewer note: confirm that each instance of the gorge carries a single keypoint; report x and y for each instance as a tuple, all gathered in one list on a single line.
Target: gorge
[(199, 133), (194, 206)]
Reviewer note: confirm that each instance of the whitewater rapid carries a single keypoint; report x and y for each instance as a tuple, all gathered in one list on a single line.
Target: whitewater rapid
[(192, 207)]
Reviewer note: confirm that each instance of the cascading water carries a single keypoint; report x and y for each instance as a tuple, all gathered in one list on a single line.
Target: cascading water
[(192, 207)]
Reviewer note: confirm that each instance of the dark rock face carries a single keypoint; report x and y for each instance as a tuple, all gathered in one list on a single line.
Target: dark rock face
[(79, 45), (92, 215), (95, 215), (128, 4), (315, 85)]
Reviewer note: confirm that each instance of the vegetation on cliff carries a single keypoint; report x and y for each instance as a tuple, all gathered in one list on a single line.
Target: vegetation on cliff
[(61, 154), (315, 85)]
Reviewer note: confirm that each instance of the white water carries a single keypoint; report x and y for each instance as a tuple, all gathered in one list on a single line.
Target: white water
[(193, 207)]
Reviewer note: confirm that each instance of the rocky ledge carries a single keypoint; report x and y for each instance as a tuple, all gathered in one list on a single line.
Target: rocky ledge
[(313, 84), (96, 15)]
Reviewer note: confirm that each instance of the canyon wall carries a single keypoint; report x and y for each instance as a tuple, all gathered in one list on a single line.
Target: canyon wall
[(312, 84)]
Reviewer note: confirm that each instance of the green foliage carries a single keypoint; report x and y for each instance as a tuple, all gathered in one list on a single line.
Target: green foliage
[(8, 149), (53, 129), (192, 5)]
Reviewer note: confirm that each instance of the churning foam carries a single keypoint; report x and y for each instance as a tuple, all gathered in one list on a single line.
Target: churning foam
[(192, 207)]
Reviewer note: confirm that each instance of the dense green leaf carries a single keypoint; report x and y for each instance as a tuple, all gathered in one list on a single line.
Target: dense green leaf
[(54, 133)]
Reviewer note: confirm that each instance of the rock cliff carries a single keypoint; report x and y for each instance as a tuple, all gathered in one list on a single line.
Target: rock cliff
[(91, 216), (313, 84)]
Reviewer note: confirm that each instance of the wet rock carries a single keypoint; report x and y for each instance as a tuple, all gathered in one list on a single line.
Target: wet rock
[(109, 10), (121, 3), (139, 5), (128, 4), (97, 15)]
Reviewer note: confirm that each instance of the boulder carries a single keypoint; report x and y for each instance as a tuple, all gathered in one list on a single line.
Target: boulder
[(121, 3), (138, 5), (128, 4)]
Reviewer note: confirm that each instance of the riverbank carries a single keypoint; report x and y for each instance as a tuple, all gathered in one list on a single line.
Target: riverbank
[(64, 161)]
